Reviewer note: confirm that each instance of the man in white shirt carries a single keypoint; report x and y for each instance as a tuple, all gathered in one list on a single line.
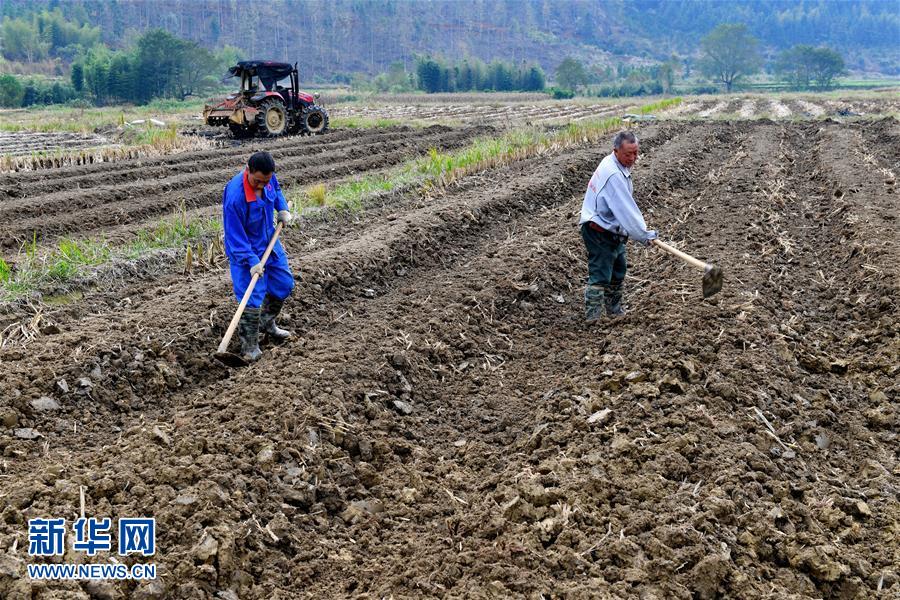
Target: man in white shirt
[(609, 217)]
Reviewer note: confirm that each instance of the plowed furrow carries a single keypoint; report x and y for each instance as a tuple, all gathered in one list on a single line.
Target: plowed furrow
[(96, 209), (30, 184)]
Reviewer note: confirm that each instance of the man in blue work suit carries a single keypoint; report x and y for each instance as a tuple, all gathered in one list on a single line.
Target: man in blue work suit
[(609, 218), (249, 203)]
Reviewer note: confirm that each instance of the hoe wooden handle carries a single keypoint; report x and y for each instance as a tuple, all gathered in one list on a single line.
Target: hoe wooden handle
[(682, 255), (237, 316)]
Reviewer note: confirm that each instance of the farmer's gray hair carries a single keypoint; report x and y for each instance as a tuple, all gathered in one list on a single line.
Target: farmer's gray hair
[(624, 136)]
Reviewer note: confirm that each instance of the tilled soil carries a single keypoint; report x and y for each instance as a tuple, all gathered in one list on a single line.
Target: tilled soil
[(494, 114), (95, 198), (445, 425), (18, 143), (761, 106)]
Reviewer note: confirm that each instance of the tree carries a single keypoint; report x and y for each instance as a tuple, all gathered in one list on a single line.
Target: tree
[(667, 77), (32, 95), (501, 77), (434, 75), (160, 59), (465, 77), (570, 74), (534, 80), (428, 71), (397, 79), (98, 80), (121, 77), (381, 83), (40, 90), (96, 65), (36, 36), (194, 75), (60, 93), (729, 53), (828, 65), (21, 41), (794, 66), (802, 65), (227, 57), (78, 77), (11, 91)]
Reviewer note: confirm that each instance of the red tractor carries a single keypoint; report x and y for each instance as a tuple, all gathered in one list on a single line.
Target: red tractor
[(268, 104)]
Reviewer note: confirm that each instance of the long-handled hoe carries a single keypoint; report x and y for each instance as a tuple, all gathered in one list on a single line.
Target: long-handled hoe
[(712, 275), (222, 354)]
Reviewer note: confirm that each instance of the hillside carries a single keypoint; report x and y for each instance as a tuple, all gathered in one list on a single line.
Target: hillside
[(332, 36)]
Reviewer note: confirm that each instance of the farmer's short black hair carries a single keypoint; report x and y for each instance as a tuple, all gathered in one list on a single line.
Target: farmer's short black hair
[(261, 162)]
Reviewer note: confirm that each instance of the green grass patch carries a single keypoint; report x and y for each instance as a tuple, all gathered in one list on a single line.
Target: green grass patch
[(317, 194), (364, 123), (152, 136), (85, 252), (173, 232), (868, 83), (59, 265), (661, 105), (349, 194), (72, 258), (5, 272)]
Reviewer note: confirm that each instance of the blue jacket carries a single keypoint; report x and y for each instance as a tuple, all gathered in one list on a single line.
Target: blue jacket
[(248, 221)]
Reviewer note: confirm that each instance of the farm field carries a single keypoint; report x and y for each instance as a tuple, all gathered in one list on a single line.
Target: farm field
[(55, 137), (444, 424), (45, 204), (18, 143), (738, 106)]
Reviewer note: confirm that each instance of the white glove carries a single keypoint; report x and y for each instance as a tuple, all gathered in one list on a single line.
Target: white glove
[(257, 269), (285, 216)]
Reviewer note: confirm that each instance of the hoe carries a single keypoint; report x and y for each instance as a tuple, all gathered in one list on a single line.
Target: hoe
[(222, 354), (712, 275)]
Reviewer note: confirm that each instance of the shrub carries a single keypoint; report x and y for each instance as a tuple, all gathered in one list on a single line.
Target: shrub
[(560, 94)]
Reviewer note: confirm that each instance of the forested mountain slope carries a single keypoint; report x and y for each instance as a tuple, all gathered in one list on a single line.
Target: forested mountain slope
[(329, 36)]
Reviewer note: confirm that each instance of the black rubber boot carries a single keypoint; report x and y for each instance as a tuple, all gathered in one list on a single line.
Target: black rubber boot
[(593, 303), (613, 300), (270, 309), (248, 330)]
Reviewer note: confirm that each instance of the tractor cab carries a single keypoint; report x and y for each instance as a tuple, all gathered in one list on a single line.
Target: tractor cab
[(267, 103), (249, 83), (267, 78)]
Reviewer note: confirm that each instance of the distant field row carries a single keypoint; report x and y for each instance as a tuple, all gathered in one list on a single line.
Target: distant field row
[(57, 136)]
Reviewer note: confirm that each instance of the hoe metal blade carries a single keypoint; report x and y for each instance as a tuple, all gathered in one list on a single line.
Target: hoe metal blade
[(712, 280), (230, 360)]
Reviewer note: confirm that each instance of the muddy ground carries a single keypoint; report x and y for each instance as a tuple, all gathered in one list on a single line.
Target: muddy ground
[(445, 425)]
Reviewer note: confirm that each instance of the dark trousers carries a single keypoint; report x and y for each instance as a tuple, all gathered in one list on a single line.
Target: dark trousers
[(606, 258)]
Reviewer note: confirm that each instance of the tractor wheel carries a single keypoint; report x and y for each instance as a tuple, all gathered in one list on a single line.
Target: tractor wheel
[(295, 127), (241, 132), (314, 120), (271, 120)]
